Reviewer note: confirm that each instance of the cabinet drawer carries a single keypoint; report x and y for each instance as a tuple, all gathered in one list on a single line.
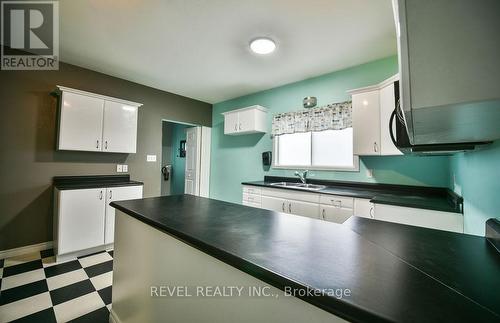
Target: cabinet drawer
[(252, 198), (257, 205), (291, 194), (338, 201), (251, 189)]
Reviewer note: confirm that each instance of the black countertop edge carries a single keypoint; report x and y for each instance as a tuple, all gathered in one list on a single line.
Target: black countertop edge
[(439, 198), (93, 181), (493, 233), (334, 306)]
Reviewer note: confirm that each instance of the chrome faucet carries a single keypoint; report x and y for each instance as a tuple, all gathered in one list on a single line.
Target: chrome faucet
[(302, 175)]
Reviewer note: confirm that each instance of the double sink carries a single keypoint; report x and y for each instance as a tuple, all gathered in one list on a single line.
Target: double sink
[(302, 186)]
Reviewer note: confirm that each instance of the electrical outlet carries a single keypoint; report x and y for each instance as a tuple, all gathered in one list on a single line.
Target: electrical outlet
[(119, 168), (369, 173), (125, 168), (151, 158)]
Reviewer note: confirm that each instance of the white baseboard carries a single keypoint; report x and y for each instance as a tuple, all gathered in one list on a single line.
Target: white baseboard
[(112, 317), (25, 250)]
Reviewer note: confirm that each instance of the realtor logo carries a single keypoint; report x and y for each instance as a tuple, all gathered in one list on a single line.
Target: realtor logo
[(30, 35)]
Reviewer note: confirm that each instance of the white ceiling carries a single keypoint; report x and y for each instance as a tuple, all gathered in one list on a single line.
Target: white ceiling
[(199, 48)]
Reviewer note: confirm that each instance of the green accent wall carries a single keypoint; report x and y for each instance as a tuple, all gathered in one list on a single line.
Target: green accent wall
[(475, 176), (235, 159), (178, 163)]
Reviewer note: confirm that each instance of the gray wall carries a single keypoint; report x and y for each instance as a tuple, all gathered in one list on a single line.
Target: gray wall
[(28, 159)]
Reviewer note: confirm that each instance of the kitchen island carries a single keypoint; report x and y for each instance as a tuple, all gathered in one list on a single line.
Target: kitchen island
[(171, 253)]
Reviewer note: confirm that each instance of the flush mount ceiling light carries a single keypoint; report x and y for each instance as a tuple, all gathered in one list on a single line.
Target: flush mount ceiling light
[(262, 46)]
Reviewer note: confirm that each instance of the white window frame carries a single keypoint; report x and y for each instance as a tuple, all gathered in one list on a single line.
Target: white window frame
[(355, 162)]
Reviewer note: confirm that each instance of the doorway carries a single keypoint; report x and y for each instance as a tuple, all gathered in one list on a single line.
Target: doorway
[(185, 160)]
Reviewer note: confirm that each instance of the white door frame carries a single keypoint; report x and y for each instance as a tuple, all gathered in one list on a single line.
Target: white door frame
[(204, 149)]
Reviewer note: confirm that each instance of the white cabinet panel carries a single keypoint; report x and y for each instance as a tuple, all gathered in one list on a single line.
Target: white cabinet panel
[(230, 123), (334, 214), (363, 208), (245, 121), (335, 200), (81, 219), (117, 194), (253, 198), (274, 204), (295, 195), (387, 106), (81, 121), (310, 210), (252, 189), (120, 127), (419, 217), (366, 123)]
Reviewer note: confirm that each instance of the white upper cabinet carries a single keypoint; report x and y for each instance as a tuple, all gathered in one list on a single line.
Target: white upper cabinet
[(387, 105), (245, 121), (92, 122), (120, 127), (371, 110), (366, 123), (80, 125)]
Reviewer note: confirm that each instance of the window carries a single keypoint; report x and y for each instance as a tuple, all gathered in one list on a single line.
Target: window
[(328, 149)]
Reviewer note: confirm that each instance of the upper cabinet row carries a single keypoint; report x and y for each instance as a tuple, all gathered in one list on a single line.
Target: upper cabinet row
[(245, 121), (92, 122), (371, 110)]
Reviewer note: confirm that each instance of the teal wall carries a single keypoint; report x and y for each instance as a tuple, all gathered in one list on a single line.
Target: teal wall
[(236, 159), (477, 178), (178, 163)]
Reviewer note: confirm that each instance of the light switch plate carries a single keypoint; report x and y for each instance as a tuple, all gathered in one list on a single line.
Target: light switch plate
[(151, 158), (119, 168), (125, 168)]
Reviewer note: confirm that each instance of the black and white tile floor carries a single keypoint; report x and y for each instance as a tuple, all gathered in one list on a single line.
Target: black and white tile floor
[(34, 289)]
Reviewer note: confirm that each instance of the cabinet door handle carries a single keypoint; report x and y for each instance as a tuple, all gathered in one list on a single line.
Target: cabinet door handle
[(106, 144), (110, 194), (371, 212), (323, 213), (290, 207), (283, 207), (236, 127), (240, 126), (100, 195), (97, 144), (375, 146), (337, 203)]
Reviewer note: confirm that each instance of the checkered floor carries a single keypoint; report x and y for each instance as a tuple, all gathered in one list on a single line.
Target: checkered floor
[(35, 289)]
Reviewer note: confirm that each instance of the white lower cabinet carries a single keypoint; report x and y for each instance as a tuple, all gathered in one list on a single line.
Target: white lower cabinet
[(364, 208), (83, 218), (117, 194), (447, 221), (308, 209), (334, 213), (338, 209), (274, 204)]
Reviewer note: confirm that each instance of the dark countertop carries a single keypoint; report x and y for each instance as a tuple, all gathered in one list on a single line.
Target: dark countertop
[(92, 181), (395, 272), (422, 197)]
